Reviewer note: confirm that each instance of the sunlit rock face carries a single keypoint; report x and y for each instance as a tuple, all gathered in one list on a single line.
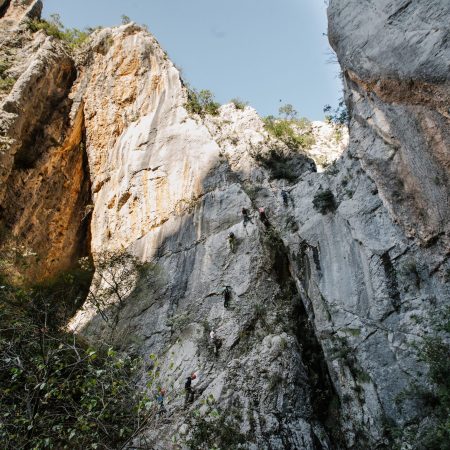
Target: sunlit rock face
[(345, 283), (169, 187), (147, 157), (317, 342), (44, 185)]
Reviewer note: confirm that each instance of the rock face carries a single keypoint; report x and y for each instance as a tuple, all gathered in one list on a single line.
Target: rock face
[(44, 185), (316, 343), (169, 188), (397, 78)]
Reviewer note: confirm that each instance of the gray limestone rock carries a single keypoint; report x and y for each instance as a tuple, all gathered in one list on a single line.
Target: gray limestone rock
[(315, 345)]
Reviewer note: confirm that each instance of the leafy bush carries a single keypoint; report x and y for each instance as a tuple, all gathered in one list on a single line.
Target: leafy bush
[(54, 27), (4, 66), (216, 429), (56, 392), (202, 102), (6, 84), (324, 201), (339, 115), (238, 103), (295, 133)]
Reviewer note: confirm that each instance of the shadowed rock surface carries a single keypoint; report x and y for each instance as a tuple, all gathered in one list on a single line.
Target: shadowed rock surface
[(317, 343)]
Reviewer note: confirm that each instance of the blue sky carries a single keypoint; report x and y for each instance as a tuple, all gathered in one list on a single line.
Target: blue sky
[(261, 51)]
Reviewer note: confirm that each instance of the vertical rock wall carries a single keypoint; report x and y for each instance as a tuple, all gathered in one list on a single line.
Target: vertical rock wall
[(317, 343), (169, 187), (325, 302), (44, 185)]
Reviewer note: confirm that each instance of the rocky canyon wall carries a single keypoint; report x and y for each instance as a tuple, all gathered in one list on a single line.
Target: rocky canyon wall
[(328, 298), (44, 184)]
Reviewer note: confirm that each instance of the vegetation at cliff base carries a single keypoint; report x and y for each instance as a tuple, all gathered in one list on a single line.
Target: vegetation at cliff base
[(56, 390)]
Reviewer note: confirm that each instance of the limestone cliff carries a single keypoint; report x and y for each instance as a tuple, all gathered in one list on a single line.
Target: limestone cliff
[(317, 342), (44, 185)]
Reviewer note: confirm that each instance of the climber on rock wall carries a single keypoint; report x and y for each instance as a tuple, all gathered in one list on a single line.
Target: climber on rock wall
[(263, 217), (232, 241), (189, 398), (160, 400), (246, 216), (285, 197), (226, 292), (215, 341)]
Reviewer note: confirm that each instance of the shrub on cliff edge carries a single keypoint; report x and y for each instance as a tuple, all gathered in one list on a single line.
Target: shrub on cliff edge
[(201, 102), (54, 27)]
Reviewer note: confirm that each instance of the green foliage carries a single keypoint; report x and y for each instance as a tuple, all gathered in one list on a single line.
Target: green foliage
[(125, 19), (363, 376), (295, 133), (338, 133), (4, 66), (238, 103), (16, 261), (253, 190), (324, 201), (287, 111), (56, 392), (352, 331), (215, 429), (178, 324), (322, 160), (202, 102), (339, 115), (6, 84), (54, 27), (409, 270), (116, 276)]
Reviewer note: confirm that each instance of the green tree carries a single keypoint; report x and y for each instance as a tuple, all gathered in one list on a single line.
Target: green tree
[(125, 19), (288, 112), (116, 275), (202, 102), (57, 392), (339, 115)]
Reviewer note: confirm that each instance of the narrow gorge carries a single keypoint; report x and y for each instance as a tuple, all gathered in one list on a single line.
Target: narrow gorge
[(330, 296)]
